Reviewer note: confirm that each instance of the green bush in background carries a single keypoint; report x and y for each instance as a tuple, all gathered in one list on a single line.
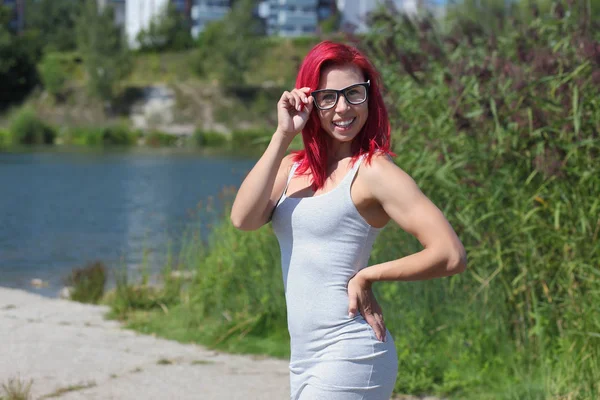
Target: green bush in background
[(112, 135), (53, 74), (26, 128), (158, 139), (87, 283), (257, 137), (210, 139), (5, 138), (501, 129)]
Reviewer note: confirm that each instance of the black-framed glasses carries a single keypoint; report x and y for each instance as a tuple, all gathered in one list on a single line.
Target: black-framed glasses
[(326, 99)]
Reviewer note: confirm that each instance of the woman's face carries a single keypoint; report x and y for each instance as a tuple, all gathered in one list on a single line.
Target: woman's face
[(344, 121)]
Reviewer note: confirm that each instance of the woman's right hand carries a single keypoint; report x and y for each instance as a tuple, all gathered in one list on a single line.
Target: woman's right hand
[(293, 110)]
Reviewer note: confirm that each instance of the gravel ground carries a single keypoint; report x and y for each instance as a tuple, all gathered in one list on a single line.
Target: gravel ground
[(69, 351)]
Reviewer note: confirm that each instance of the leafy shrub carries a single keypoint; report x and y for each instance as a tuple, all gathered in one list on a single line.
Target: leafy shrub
[(501, 128), (210, 139), (83, 136), (157, 139), (5, 138), (87, 283), (27, 128), (53, 75), (129, 296), (249, 137), (118, 135), (114, 135)]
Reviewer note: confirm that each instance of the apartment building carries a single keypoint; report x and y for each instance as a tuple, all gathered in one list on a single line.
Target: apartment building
[(205, 11), (295, 17), (17, 10)]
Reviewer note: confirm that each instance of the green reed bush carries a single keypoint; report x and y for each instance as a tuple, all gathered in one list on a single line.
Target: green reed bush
[(118, 135), (144, 295), (159, 139), (250, 137), (5, 138), (26, 128), (83, 136), (238, 285), (113, 135), (87, 283), (502, 132), (210, 139)]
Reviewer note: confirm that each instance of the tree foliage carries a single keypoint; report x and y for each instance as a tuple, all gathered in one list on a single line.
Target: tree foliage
[(55, 21), (228, 47), (169, 31), (104, 50), (18, 74)]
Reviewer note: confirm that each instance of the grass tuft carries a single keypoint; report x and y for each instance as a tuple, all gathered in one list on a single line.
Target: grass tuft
[(16, 389)]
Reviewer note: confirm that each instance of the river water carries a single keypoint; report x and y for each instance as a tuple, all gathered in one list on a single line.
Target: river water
[(61, 209)]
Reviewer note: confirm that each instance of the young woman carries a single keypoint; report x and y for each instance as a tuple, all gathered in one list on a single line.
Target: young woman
[(327, 203)]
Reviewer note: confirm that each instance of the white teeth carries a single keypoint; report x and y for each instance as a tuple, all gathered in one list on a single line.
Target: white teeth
[(343, 124)]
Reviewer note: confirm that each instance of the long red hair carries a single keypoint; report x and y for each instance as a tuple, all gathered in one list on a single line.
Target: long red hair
[(375, 134)]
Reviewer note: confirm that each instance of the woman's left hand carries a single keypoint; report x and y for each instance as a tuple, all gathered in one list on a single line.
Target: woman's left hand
[(362, 299)]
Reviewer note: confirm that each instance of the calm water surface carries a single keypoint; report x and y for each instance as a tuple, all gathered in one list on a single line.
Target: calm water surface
[(61, 209)]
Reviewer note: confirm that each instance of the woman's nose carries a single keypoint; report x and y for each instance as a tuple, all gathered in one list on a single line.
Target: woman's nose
[(341, 105)]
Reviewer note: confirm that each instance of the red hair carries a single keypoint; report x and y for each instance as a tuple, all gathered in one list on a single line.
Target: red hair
[(375, 134)]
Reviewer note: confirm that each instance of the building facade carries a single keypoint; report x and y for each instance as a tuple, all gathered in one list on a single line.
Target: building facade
[(138, 16), (205, 11), (17, 10), (295, 17)]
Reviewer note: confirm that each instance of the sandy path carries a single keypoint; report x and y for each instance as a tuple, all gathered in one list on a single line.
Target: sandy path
[(71, 352)]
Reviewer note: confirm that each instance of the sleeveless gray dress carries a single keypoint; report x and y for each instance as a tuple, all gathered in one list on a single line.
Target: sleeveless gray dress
[(324, 241)]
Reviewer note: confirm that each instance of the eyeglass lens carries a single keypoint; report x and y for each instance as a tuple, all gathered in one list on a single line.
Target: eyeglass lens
[(354, 95)]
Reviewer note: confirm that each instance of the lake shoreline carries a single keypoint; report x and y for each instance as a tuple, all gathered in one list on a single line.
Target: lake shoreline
[(129, 209)]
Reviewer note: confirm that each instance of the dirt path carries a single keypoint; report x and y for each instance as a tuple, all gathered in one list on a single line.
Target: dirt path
[(69, 351)]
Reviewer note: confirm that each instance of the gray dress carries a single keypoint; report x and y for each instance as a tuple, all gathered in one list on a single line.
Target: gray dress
[(324, 241)]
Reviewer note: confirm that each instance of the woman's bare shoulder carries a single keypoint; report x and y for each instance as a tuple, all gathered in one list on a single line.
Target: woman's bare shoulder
[(286, 164), (382, 170)]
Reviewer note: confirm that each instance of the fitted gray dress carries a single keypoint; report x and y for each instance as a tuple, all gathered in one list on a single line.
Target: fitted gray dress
[(324, 241)]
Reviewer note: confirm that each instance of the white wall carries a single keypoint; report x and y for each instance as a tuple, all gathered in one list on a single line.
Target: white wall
[(139, 13)]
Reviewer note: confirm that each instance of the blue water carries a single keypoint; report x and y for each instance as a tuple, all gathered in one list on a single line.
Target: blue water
[(62, 209)]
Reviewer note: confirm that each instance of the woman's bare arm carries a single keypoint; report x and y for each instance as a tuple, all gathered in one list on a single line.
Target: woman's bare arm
[(265, 183), (263, 186), (443, 253)]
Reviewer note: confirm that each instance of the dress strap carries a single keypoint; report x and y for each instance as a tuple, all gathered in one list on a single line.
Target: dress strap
[(290, 176), (355, 166)]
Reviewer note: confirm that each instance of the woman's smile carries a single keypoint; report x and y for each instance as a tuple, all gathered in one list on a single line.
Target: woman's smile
[(344, 124)]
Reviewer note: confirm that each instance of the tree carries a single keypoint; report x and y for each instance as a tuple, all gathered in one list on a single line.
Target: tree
[(229, 46), (169, 31), (55, 20), (18, 74), (103, 47)]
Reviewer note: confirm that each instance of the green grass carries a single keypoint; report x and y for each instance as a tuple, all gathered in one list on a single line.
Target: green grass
[(71, 388)]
